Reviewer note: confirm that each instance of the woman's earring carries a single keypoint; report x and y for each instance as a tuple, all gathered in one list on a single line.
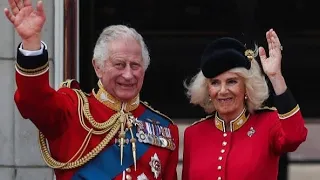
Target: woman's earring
[(245, 97), (209, 99)]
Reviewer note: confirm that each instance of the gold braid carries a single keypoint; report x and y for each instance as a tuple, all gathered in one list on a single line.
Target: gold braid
[(112, 127), (87, 114)]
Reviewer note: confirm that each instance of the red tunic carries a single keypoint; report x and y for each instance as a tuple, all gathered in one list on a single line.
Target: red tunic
[(250, 151), (55, 114)]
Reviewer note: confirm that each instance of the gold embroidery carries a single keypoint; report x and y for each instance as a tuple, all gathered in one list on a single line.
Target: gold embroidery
[(107, 99), (35, 71), (32, 70), (290, 113), (67, 83), (234, 124), (202, 119)]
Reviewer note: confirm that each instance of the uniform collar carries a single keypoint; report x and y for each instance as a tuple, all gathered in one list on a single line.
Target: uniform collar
[(234, 124), (111, 102)]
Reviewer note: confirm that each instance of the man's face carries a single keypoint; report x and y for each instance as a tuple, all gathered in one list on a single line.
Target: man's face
[(122, 74)]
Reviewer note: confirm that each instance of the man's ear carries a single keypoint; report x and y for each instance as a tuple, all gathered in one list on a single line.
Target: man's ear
[(98, 68)]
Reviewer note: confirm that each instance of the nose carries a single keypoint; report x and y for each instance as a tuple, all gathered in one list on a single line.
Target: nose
[(127, 74), (223, 89)]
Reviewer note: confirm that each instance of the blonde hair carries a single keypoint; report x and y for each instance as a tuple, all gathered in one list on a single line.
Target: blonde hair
[(255, 84)]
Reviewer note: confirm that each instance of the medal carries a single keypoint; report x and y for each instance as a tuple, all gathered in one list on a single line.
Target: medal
[(153, 133), (142, 177), (155, 165)]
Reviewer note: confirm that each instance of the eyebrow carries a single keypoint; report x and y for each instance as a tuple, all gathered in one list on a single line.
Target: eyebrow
[(233, 78), (120, 60), (229, 78)]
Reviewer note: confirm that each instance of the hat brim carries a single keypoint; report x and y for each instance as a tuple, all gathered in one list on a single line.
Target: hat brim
[(222, 61)]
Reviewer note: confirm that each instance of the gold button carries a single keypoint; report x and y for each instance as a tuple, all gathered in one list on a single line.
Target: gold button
[(224, 143), (224, 134), (128, 170), (219, 167), (222, 150), (128, 177), (220, 158), (219, 178)]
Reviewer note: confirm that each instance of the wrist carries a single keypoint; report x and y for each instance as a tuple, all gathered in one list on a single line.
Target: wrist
[(32, 43), (278, 83), (275, 76)]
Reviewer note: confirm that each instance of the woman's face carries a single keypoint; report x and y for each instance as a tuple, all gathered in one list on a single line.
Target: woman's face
[(227, 93)]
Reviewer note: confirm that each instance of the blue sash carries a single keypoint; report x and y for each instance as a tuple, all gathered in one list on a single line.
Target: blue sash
[(106, 165)]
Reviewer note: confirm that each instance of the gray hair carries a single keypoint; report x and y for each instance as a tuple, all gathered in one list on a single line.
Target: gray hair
[(255, 84), (113, 32)]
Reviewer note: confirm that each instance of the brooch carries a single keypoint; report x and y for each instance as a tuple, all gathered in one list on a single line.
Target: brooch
[(155, 165), (251, 132)]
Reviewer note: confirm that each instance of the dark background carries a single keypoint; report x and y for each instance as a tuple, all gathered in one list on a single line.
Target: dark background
[(176, 32)]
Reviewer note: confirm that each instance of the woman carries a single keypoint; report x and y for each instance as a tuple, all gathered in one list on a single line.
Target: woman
[(240, 140)]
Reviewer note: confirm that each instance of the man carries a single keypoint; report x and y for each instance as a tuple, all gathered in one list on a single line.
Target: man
[(107, 134)]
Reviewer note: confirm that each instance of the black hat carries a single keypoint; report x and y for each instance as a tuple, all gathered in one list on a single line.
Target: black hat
[(222, 55)]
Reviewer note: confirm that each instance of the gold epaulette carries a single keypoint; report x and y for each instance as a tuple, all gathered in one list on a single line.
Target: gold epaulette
[(73, 84), (156, 111), (70, 83), (202, 119), (266, 108), (110, 128)]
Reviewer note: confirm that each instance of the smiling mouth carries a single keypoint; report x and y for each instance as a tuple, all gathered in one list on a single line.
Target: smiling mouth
[(126, 85), (224, 100)]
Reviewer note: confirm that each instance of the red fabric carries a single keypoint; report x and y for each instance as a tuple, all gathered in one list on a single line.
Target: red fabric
[(55, 114), (245, 158)]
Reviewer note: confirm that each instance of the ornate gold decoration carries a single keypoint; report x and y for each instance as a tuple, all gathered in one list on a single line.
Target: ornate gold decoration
[(290, 113), (235, 124), (110, 127), (250, 54), (32, 72), (107, 99), (79, 160)]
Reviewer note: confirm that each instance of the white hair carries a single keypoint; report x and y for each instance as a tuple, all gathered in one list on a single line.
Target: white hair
[(114, 32), (255, 84)]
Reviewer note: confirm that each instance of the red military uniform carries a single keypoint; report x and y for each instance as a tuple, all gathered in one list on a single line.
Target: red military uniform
[(83, 129), (250, 150)]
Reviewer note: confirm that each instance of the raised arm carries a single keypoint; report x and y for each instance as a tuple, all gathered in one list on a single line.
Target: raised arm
[(290, 131), (34, 97)]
